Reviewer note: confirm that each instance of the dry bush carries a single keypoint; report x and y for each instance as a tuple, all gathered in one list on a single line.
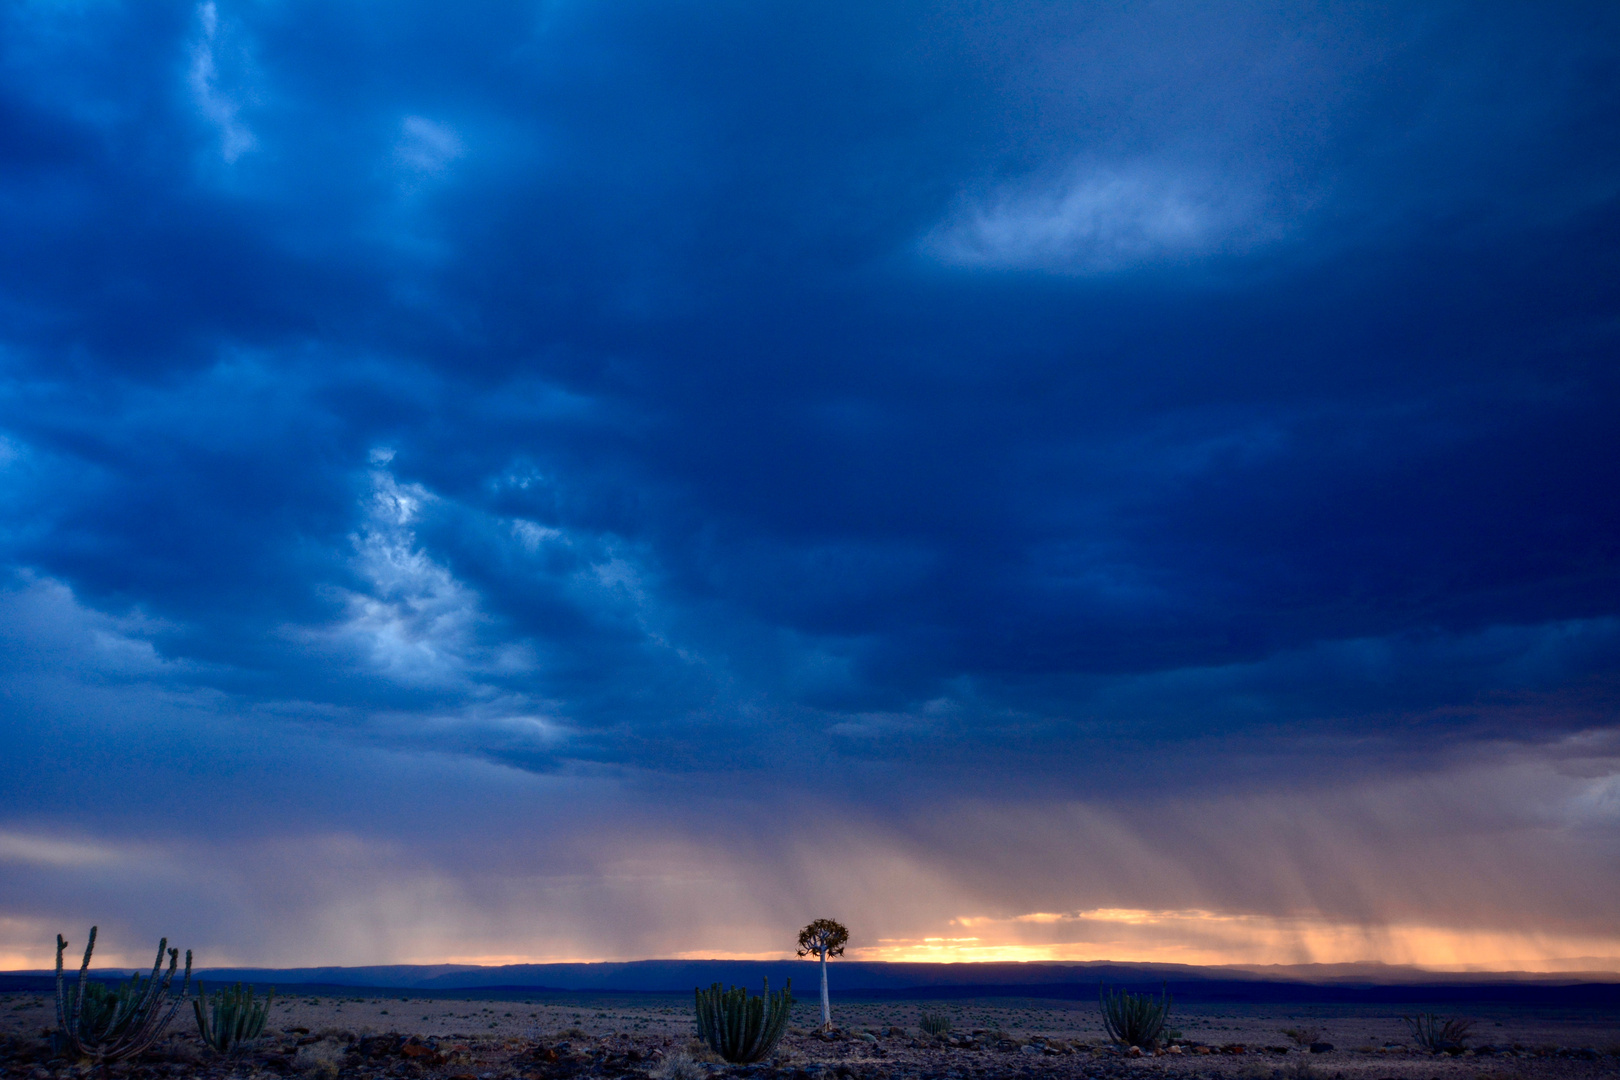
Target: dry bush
[(178, 1051), (320, 1059), (1439, 1034), (1299, 1069), (678, 1066), (698, 1050)]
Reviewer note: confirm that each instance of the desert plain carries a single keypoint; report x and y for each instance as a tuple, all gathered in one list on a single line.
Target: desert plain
[(352, 1035)]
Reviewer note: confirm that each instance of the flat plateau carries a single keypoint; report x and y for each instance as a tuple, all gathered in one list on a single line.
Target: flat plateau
[(514, 1036)]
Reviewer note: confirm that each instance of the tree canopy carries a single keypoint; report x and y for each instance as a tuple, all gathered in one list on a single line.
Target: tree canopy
[(824, 937)]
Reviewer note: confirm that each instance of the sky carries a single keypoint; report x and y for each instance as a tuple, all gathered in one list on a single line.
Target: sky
[(571, 481)]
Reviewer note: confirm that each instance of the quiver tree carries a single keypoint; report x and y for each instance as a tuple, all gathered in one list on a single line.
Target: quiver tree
[(824, 938), (110, 1024)]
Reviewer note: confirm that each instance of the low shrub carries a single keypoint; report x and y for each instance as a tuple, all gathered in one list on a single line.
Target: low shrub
[(678, 1066), (741, 1028), (230, 1020), (321, 1060), (107, 1024), (1439, 1034), (1134, 1019)]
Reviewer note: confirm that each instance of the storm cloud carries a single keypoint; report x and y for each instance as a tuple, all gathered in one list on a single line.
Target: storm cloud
[(562, 481)]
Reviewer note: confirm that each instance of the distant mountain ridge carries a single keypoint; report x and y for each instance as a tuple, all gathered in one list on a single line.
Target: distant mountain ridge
[(682, 975), (877, 979)]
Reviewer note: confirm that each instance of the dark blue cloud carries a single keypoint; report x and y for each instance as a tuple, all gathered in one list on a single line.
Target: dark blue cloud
[(990, 400)]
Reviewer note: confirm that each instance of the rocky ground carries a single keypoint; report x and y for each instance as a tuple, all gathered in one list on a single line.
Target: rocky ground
[(649, 1038)]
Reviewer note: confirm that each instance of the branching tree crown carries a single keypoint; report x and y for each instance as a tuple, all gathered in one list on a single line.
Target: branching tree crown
[(824, 938)]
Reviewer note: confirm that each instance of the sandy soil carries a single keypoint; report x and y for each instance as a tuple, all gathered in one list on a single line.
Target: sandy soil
[(555, 1037)]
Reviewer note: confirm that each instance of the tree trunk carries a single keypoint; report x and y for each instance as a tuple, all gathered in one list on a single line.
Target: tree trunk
[(826, 1006)]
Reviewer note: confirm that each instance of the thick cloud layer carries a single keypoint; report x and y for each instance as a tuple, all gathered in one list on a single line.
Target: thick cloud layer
[(570, 481)]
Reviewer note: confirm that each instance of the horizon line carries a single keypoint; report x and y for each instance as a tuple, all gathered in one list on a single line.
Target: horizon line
[(1252, 968)]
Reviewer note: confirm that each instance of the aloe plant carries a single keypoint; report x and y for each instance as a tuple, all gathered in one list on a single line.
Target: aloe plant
[(741, 1028), (106, 1024), (1134, 1019), (230, 1020), (1438, 1035)]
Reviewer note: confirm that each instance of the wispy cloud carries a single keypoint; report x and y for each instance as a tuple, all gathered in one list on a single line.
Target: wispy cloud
[(60, 852), (427, 146), (1100, 220), (416, 623), (216, 105)]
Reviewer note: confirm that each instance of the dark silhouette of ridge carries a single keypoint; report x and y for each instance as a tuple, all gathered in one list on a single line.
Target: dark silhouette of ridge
[(1356, 983)]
